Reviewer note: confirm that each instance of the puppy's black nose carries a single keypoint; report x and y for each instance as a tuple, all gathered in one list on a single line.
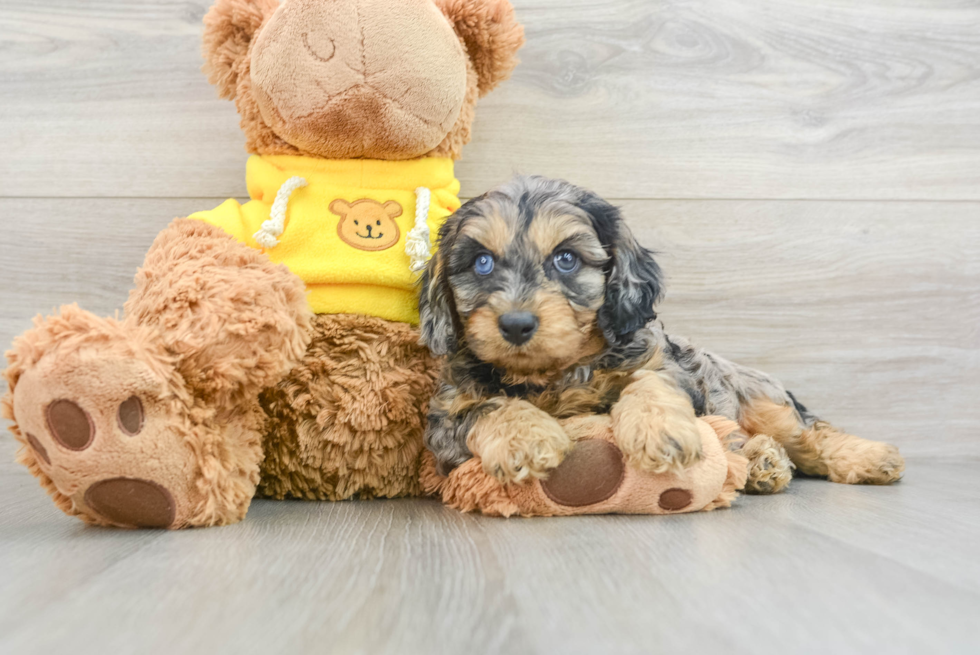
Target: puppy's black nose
[(518, 327)]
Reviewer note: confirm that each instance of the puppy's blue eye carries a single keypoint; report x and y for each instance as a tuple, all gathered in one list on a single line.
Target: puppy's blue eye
[(483, 264), (566, 261)]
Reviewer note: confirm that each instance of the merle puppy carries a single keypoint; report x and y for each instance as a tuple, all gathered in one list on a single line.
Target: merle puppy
[(543, 301)]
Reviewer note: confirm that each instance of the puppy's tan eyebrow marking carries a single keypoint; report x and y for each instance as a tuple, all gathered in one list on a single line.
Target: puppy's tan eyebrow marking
[(491, 230), (547, 231)]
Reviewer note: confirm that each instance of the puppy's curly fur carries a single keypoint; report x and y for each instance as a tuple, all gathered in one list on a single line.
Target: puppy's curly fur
[(543, 301)]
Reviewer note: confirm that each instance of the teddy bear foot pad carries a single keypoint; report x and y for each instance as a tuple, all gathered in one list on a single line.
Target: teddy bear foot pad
[(102, 425)]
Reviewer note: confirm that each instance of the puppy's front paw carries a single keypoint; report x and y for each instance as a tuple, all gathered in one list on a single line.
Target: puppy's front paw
[(656, 443), (655, 427), (519, 441)]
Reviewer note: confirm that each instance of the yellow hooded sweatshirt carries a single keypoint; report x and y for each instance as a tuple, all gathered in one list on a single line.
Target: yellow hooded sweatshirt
[(355, 231)]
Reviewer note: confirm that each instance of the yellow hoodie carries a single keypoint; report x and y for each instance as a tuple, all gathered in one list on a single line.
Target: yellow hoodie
[(347, 228)]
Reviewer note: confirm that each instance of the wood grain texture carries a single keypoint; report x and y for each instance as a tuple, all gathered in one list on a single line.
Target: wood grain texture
[(868, 311), (741, 99), (637, 98), (822, 569)]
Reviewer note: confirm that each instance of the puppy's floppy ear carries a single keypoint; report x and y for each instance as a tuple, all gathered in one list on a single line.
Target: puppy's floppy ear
[(491, 34), (229, 27), (437, 307), (634, 282)]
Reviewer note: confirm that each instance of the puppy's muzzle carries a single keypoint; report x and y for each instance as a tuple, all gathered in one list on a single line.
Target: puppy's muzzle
[(518, 327)]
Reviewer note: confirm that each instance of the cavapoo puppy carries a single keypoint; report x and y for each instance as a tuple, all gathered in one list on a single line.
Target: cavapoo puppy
[(543, 301)]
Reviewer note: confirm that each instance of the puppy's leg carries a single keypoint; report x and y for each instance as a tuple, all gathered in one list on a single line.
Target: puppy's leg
[(821, 449), (517, 440), (654, 424)]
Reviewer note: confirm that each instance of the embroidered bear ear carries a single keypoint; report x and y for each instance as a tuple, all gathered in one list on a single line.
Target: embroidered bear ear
[(491, 34), (340, 207), (392, 209), (229, 28)]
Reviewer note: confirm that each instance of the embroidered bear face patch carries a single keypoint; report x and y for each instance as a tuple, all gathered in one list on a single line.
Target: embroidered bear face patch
[(367, 224)]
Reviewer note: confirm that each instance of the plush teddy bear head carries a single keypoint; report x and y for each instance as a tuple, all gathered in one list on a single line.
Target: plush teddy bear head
[(343, 79)]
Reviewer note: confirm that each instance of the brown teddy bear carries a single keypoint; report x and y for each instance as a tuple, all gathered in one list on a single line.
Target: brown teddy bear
[(269, 348)]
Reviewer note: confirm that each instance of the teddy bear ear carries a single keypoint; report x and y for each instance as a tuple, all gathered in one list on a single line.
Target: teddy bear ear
[(393, 209), (339, 207), (491, 34), (229, 27)]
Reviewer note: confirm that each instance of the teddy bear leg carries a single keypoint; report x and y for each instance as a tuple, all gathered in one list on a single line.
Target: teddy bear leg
[(348, 420), (595, 478), (154, 421)]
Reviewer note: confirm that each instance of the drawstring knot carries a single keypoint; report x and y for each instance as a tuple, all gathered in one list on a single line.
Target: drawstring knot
[(268, 235)]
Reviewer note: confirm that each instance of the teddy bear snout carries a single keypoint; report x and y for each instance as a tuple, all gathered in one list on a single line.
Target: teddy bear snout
[(344, 78)]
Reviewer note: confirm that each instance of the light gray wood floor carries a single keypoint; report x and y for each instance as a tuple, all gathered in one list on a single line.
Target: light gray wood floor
[(823, 568), (809, 172)]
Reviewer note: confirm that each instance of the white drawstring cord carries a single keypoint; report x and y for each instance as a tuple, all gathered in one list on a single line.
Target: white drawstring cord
[(418, 243), (272, 229)]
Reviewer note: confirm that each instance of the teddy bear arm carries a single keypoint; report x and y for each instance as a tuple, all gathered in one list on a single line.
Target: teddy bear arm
[(235, 321)]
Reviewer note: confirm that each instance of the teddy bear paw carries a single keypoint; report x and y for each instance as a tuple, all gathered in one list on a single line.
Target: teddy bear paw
[(100, 425)]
